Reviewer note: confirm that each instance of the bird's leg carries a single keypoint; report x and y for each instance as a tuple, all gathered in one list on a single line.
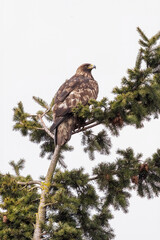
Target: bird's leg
[(80, 124)]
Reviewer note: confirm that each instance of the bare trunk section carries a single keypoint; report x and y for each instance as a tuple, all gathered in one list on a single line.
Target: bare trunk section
[(40, 216)]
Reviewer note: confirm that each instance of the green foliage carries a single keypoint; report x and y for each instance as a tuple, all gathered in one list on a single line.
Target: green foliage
[(18, 207), (41, 102), (17, 167), (117, 179), (136, 100), (100, 143), (95, 110), (72, 203), (75, 209), (139, 96), (29, 125)]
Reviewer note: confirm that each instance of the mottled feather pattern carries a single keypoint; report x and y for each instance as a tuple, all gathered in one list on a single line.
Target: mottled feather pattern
[(82, 92), (78, 89), (64, 131)]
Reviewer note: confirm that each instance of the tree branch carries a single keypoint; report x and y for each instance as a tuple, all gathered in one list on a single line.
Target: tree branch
[(31, 189), (43, 124), (29, 183), (93, 178), (40, 216), (49, 133), (49, 204), (86, 127)]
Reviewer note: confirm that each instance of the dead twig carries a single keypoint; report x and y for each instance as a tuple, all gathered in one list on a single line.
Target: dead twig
[(86, 127), (29, 183), (43, 124), (49, 133)]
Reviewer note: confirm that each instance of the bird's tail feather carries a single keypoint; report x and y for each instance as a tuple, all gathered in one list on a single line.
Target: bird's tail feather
[(56, 124), (64, 131)]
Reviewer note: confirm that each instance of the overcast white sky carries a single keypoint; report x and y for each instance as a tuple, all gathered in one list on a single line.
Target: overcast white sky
[(41, 45)]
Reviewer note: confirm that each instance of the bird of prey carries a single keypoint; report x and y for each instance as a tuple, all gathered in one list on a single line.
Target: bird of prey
[(80, 88)]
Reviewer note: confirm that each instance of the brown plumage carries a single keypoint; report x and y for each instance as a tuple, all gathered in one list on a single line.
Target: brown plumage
[(78, 89)]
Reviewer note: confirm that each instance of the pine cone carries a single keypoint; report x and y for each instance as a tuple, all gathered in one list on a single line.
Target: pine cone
[(5, 219), (144, 167), (143, 171), (135, 179), (118, 121), (107, 176)]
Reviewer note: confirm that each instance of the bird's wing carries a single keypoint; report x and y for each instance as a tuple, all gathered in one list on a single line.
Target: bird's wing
[(67, 87), (80, 92)]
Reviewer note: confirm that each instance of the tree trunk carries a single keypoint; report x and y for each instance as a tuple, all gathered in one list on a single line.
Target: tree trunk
[(40, 216)]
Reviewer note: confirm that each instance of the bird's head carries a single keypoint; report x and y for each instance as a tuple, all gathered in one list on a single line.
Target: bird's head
[(85, 69)]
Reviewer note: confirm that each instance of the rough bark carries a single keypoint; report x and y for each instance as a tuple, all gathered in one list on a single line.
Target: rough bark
[(40, 216)]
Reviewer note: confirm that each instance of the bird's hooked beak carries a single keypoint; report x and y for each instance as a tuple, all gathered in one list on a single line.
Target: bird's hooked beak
[(91, 66)]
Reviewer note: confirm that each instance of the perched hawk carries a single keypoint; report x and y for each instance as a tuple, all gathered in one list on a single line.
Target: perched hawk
[(78, 89)]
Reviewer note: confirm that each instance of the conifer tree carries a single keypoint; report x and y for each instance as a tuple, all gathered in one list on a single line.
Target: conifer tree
[(70, 206), (18, 206), (17, 167)]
